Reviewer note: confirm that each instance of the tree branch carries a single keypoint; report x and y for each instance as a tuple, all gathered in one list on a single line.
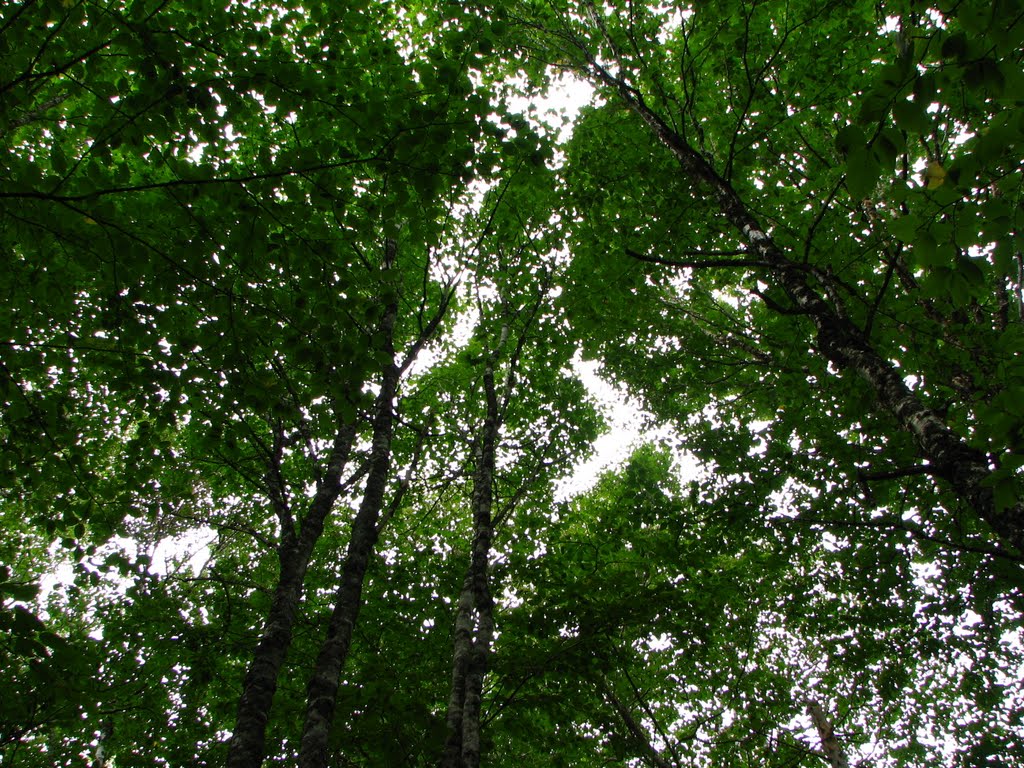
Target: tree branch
[(703, 264)]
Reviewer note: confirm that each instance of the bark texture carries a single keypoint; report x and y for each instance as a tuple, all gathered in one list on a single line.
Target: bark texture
[(838, 339), (474, 621), (247, 746), (99, 759), (322, 690), (829, 743), (463, 643)]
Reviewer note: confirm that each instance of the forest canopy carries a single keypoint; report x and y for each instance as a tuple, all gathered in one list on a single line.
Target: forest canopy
[(297, 304)]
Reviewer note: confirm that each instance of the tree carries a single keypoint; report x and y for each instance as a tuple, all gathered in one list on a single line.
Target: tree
[(293, 299), (614, 56)]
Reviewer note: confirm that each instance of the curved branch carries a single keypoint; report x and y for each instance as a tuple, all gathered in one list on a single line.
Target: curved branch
[(704, 263)]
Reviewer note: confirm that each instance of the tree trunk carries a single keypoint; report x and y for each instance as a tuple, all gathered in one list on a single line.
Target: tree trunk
[(322, 690), (99, 755), (829, 743), (469, 658), (463, 645), (838, 339), (247, 746)]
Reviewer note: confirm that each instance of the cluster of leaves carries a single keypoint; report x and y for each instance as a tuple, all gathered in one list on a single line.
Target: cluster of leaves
[(205, 210)]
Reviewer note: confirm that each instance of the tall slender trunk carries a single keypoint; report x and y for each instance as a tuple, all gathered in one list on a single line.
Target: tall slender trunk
[(247, 746), (463, 648), (837, 338), (476, 606), (322, 690), (829, 743), (99, 755)]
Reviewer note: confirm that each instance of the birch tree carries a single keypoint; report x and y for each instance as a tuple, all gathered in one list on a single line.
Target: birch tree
[(296, 304), (619, 50)]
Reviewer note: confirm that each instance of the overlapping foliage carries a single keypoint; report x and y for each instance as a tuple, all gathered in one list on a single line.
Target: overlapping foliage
[(791, 230)]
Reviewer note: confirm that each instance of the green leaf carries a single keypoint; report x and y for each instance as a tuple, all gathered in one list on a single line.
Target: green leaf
[(926, 251), (862, 173), (888, 146), (954, 46), (1007, 493), (905, 228), (22, 592), (850, 138), (911, 116), (925, 88)]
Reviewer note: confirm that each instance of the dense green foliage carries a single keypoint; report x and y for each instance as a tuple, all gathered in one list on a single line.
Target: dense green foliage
[(790, 231)]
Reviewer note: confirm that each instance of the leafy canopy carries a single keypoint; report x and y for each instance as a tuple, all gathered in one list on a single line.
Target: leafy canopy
[(205, 210)]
